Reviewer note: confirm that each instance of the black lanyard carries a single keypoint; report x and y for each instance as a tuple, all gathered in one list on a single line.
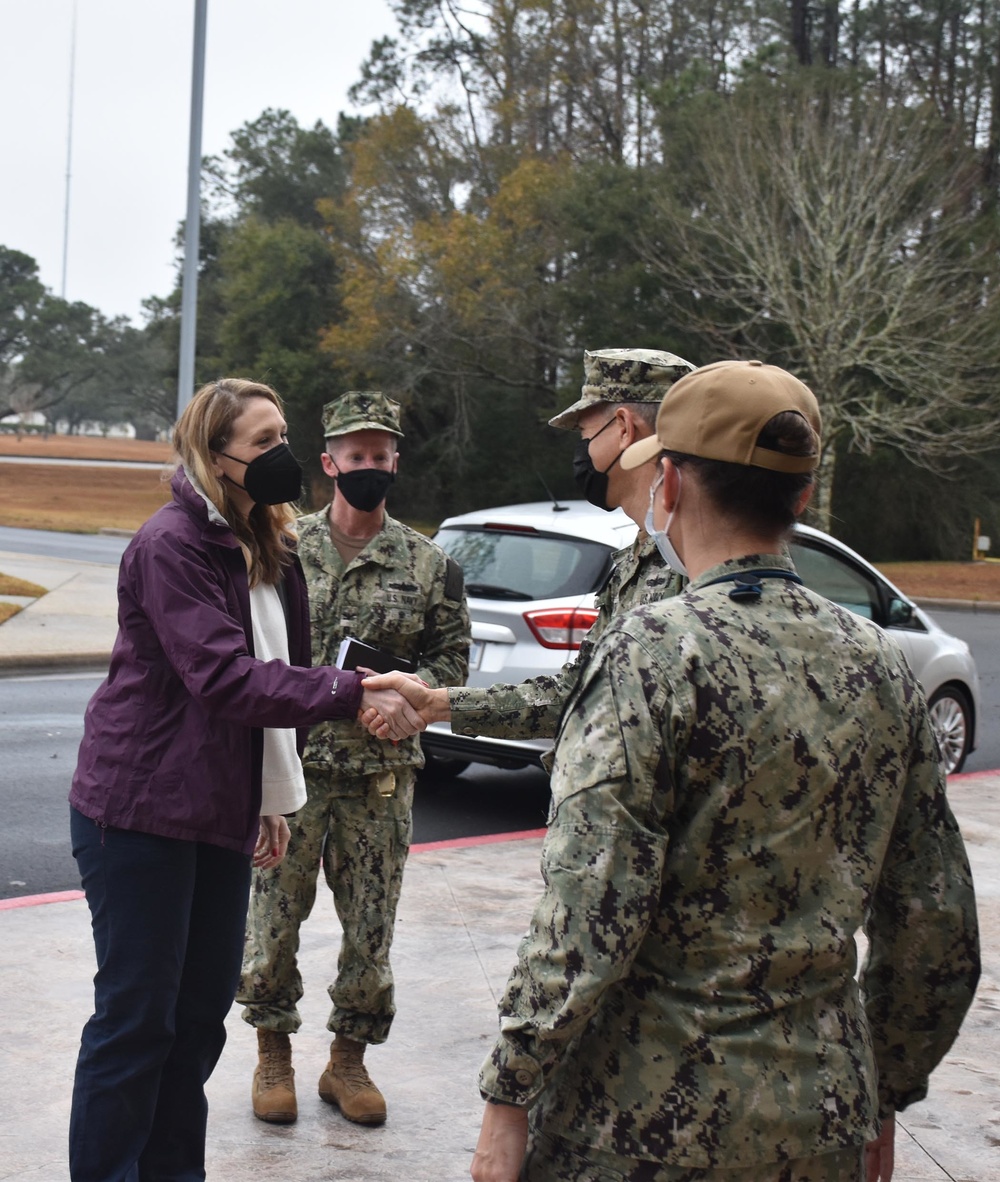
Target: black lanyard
[(749, 584)]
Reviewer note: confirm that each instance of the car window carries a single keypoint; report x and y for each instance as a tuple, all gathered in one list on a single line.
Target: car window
[(831, 576), (503, 564)]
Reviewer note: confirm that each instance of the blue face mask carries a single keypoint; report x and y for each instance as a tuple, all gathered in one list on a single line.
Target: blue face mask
[(661, 536)]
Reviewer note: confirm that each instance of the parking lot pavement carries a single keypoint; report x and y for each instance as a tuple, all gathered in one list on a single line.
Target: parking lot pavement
[(463, 910)]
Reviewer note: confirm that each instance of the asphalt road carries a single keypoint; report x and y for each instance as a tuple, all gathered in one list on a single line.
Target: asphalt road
[(41, 723), (981, 632), (81, 463), (106, 548)]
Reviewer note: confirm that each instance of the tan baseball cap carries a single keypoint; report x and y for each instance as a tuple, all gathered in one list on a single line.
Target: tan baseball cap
[(622, 375), (717, 412)]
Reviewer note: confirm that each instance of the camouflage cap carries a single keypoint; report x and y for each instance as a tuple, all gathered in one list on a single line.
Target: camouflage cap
[(361, 410), (623, 375)]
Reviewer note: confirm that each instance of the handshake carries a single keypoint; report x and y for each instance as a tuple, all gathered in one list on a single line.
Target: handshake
[(397, 705)]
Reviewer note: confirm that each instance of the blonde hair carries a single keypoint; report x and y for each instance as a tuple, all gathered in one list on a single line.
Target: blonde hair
[(266, 533)]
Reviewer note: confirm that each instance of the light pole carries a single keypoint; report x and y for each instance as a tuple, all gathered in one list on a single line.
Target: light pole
[(69, 148), (192, 223)]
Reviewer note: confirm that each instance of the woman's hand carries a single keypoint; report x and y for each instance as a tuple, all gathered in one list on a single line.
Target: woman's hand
[(271, 843), (385, 710), (430, 705)]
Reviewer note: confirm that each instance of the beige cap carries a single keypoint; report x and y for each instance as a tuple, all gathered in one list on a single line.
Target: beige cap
[(717, 412)]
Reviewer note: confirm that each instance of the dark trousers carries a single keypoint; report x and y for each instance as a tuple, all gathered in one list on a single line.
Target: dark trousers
[(168, 919)]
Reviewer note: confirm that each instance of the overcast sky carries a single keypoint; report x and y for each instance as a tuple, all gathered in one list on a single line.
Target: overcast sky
[(131, 118)]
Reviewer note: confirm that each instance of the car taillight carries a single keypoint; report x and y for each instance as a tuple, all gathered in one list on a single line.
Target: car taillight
[(561, 627)]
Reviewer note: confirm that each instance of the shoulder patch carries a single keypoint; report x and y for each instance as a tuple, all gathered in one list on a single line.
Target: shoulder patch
[(454, 580)]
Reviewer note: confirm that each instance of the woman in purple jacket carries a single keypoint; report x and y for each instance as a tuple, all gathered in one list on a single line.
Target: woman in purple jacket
[(208, 677)]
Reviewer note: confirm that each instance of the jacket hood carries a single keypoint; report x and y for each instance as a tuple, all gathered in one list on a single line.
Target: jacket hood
[(192, 498)]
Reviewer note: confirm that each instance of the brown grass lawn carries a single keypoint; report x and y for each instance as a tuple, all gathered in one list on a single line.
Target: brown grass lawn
[(7, 610), (86, 499), (945, 580), (11, 586), (84, 447), (79, 499)]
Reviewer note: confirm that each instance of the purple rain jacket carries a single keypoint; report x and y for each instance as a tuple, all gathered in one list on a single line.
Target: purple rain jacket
[(172, 743)]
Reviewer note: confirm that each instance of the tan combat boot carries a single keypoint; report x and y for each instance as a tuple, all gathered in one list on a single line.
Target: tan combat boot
[(346, 1083), (274, 1080)]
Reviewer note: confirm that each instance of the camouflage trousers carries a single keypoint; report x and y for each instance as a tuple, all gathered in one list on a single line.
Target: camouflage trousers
[(361, 839), (552, 1159)]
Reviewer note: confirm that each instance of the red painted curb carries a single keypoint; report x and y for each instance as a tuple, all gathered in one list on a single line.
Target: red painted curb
[(39, 900), (454, 844), (459, 843)]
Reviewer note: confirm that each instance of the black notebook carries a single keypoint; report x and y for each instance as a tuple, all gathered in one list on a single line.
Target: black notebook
[(354, 653)]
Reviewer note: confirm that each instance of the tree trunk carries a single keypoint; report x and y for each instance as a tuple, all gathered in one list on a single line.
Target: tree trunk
[(883, 49), (640, 80), (855, 40), (821, 505), (831, 33), (800, 32), (618, 141), (509, 81), (991, 151)]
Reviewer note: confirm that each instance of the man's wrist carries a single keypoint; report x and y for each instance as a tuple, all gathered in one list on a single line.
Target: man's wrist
[(440, 710)]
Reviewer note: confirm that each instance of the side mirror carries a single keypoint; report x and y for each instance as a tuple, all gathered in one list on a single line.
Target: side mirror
[(900, 613)]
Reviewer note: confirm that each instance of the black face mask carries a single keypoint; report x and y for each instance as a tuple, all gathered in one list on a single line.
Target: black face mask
[(590, 481), (273, 478), (365, 489)]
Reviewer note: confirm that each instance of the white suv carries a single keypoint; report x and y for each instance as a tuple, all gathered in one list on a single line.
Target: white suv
[(531, 573)]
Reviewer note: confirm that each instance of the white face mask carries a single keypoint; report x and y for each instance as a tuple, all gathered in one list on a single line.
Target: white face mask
[(661, 536)]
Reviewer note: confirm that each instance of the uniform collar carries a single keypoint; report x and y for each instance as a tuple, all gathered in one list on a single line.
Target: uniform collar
[(636, 555), (747, 562), (386, 548)]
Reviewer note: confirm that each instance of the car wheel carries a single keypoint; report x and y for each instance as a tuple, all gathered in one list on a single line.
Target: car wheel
[(436, 765), (951, 718)]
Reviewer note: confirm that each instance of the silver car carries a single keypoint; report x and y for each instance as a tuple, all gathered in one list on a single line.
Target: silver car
[(531, 573)]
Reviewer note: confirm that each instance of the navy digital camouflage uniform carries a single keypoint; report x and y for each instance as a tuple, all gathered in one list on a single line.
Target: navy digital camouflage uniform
[(403, 594), (738, 787), (531, 709)]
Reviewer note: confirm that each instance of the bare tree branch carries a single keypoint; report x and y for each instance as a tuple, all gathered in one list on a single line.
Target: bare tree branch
[(837, 238)]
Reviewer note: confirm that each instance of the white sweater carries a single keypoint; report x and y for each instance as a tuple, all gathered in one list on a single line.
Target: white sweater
[(284, 785)]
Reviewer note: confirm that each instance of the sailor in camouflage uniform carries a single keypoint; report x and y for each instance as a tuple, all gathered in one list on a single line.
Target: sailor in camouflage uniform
[(621, 393), (376, 580), (745, 774)]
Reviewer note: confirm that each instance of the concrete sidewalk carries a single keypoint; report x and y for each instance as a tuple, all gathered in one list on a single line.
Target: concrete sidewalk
[(463, 910), (74, 624)]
